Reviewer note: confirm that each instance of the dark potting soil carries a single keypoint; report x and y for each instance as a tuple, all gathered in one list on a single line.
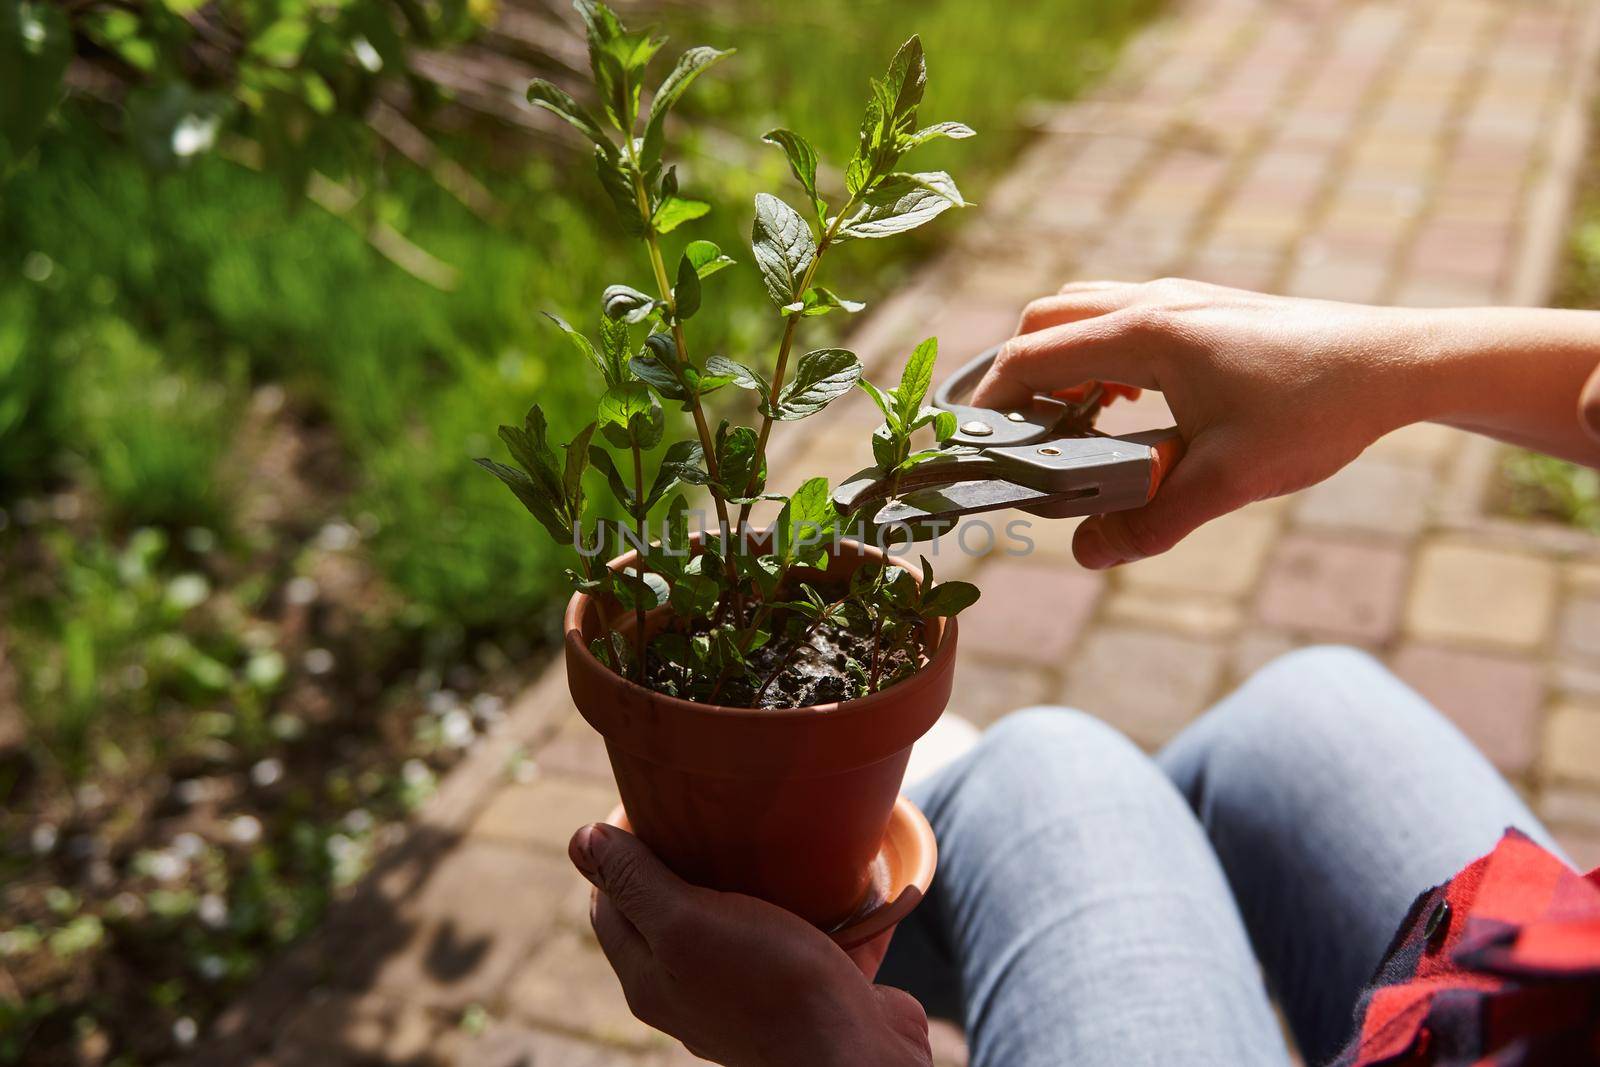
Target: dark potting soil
[(834, 664)]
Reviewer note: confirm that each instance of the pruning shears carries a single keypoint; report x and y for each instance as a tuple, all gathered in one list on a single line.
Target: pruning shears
[(1046, 458)]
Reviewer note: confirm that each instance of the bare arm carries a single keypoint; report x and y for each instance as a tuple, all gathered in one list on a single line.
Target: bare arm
[(1273, 394)]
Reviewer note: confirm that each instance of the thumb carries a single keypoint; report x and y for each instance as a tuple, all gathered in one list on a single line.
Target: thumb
[(1202, 486), (637, 883)]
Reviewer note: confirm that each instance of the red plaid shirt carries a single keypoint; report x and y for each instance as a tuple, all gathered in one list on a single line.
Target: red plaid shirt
[(1500, 967)]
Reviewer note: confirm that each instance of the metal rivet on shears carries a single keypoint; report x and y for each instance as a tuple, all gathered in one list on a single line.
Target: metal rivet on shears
[(1015, 416), (1048, 451), (977, 428)]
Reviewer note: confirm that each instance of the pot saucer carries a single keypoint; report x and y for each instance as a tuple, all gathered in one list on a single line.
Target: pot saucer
[(901, 873)]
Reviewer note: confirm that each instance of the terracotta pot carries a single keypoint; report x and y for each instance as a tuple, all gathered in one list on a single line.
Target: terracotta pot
[(790, 805)]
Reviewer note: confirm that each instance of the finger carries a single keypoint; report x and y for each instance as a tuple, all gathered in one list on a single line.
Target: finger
[(1074, 306), (1205, 484), (621, 867), (625, 948), (869, 957), (1091, 284), (1115, 347)]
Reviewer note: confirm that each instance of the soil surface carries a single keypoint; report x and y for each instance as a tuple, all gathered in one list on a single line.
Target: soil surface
[(832, 664)]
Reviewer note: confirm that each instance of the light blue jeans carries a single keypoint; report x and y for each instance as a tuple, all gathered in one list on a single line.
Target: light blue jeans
[(1094, 906)]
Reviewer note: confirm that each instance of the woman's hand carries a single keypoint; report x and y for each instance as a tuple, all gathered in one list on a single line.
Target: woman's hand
[(1273, 394), (737, 980)]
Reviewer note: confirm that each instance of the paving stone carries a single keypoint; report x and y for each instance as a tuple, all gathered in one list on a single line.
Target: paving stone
[(1332, 586), (1370, 494), (1197, 615), (577, 749), (568, 985), (1571, 806), (1572, 744), (1582, 845), (1255, 649), (456, 941), (544, 813), (511, 1044), (1466, 593), (1147, 684), (337, 1028), (1494, 699), (986, 690), (1031, 611), (1579, 633), (1422, 443), (1224, 557)]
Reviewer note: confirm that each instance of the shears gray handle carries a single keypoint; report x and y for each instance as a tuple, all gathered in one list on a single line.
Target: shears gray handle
[(987, 428)]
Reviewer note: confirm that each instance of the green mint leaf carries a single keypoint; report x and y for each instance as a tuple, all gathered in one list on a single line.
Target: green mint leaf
[(764, 571), (670, 555), (601, 460), (695, 595), (535, 497), (802, 161), (674, 212), (542, 94), (631, 417), (821, 377), (689, 67), (616, 178), (888, 448), (738, 374), (736, 461), (804, 523), (530, 446), (577, 455), (819, 301), (683, 462), (955, 131), (949, 599), (581, 344), (915, 381), (626, 303), (614, 344), (659, 366), (884, 400), (944, 425), (902, 202), (908, 77), (646, 590), (784, 248), (686, 292), (919, 457), (706, 257)]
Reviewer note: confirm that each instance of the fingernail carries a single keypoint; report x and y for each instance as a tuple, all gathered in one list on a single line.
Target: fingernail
[(586, 850)]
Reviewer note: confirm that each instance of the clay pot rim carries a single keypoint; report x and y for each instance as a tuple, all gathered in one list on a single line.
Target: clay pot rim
[(925, 674)]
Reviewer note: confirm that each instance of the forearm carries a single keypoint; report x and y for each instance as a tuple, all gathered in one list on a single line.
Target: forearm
[(1516, 374)]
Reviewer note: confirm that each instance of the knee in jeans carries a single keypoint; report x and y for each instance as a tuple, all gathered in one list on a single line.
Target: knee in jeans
[(1054, 737), (1307, 692)]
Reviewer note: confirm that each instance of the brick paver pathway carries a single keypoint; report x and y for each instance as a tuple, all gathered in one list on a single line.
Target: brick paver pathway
[(1408, 152)]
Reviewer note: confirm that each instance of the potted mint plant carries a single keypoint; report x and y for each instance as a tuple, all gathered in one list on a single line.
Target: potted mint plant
[(758, 692)]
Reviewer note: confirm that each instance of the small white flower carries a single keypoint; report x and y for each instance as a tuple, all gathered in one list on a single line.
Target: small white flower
[(245, 829), (301, 591), (415, 773), (267, 772), (456, 729), (213, 911), (188, 845)]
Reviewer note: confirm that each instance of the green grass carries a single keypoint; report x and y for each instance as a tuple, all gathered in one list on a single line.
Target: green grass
[(1537, 486)]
